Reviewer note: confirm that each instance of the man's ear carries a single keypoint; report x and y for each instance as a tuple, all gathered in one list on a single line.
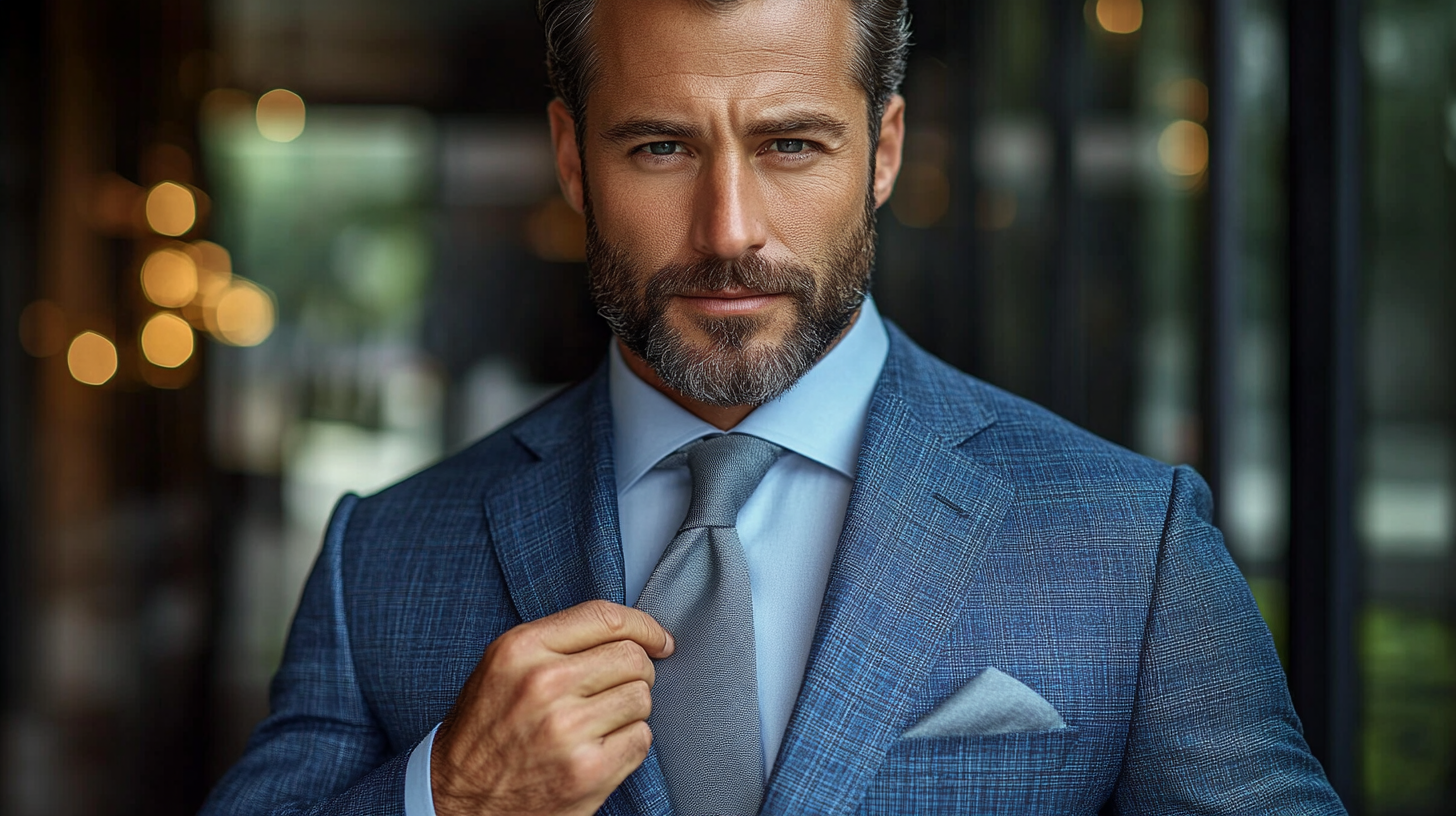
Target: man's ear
[(568, 156), (891, 150)]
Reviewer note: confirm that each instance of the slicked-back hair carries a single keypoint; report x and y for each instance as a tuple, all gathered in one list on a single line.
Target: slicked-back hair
[(879, 61)]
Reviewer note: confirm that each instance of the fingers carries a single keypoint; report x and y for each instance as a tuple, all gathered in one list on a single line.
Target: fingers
[(596, 769), (596, 622), (616, 708), (610, 664), (628, 745)]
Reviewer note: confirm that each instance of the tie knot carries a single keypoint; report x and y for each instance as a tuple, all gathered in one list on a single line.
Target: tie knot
[(725, 470)]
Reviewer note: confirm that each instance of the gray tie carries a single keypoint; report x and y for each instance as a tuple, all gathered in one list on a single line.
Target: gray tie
[(705, 701)]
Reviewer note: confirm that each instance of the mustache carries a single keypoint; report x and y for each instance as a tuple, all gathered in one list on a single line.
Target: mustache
[(751, 271)]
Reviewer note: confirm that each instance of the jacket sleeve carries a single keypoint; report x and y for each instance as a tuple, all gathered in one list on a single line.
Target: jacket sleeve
[(320, 751), (1213, 728)]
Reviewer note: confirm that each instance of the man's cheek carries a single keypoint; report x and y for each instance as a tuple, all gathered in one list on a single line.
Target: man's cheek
[(650, 232), (811, 222)]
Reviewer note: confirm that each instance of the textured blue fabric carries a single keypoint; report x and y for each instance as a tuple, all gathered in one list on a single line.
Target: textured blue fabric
[(982, 531)]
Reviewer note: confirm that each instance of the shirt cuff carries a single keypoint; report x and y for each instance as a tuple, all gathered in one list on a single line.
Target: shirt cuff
[(419, 798)]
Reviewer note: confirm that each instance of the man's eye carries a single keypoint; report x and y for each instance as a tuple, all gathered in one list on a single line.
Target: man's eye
[(789, 145), (662, 148)]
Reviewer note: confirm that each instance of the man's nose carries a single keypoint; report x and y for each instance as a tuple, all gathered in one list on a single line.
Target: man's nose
[(729, 220)]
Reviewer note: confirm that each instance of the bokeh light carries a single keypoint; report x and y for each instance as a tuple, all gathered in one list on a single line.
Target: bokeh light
[(169, 277), (92, 359), (1186, 98), (995, 210), (214, 272), (171, 209), (213, 259), (556, 232), (244, 315), (224, 105), (1120, 16), (167, 340), (116, 204), (922, 195), (43, 329), (1183, 149), (281, 115)]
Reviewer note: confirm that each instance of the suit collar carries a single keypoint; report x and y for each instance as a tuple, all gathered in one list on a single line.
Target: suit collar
[(921, 518), (942, 398)]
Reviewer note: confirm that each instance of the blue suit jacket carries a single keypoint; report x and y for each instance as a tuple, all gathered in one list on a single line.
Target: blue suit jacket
[(983, 531)]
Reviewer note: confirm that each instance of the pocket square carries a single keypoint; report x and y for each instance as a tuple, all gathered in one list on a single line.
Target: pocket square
[(993, 702)]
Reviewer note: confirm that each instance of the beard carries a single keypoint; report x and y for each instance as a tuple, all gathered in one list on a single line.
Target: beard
[(737, 365)]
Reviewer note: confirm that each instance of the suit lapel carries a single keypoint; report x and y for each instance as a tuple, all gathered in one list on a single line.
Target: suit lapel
[(553, 522), (920, 519)]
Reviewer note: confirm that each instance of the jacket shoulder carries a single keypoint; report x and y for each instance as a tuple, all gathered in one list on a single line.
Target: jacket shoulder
[(1029, 431), (1037, 451)]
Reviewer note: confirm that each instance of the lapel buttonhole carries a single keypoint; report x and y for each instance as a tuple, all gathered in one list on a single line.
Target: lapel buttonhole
[(952, 505)]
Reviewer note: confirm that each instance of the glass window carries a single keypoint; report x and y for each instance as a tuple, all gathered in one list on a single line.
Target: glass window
[(1404, 515), (1255, 489)]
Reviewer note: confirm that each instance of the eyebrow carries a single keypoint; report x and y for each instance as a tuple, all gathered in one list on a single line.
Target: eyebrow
[(634, 129), (793, 122), (816, 123)]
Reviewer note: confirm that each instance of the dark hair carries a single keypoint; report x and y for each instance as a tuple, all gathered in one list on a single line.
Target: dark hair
[(879, 63)]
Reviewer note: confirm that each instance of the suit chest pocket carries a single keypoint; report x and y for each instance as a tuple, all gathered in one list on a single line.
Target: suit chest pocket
[(1000, 774)]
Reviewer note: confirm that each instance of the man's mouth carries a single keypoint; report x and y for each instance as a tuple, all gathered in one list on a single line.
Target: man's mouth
[(734, 300)]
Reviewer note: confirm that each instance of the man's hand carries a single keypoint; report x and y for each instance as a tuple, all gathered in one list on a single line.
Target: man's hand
[(553, 718)]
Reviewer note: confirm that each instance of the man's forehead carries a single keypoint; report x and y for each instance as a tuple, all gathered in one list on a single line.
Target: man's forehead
[(746, 47)]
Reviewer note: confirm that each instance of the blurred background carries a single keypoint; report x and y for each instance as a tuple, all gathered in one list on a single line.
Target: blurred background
[(257, 253)]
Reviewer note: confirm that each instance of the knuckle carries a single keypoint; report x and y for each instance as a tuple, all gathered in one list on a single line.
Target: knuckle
[(496, 649), (638, 656), (612, 617), (640, 697), (511, 647), (629, 654), (545, 682), (585, 771), (641, 740), (557, 728), (633, 660), (647, 670), (589, 767)]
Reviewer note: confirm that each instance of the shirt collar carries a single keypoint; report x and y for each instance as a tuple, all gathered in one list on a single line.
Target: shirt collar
[(821, 418)]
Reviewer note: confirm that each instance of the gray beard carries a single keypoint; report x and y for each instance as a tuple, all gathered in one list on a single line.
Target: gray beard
[(731, 371)]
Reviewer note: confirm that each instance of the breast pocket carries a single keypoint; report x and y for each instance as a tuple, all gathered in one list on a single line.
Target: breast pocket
[(999, 774)]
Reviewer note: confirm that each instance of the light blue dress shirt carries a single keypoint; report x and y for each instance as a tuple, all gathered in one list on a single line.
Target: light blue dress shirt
[(789, 527)]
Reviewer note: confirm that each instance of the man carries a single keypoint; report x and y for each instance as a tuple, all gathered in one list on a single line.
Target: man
[(890, 589)]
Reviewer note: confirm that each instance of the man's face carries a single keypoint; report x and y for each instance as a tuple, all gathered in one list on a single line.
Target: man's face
[(729, 186)]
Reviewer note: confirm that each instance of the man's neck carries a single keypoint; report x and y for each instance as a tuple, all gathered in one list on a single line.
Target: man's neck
[(724, 418)]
